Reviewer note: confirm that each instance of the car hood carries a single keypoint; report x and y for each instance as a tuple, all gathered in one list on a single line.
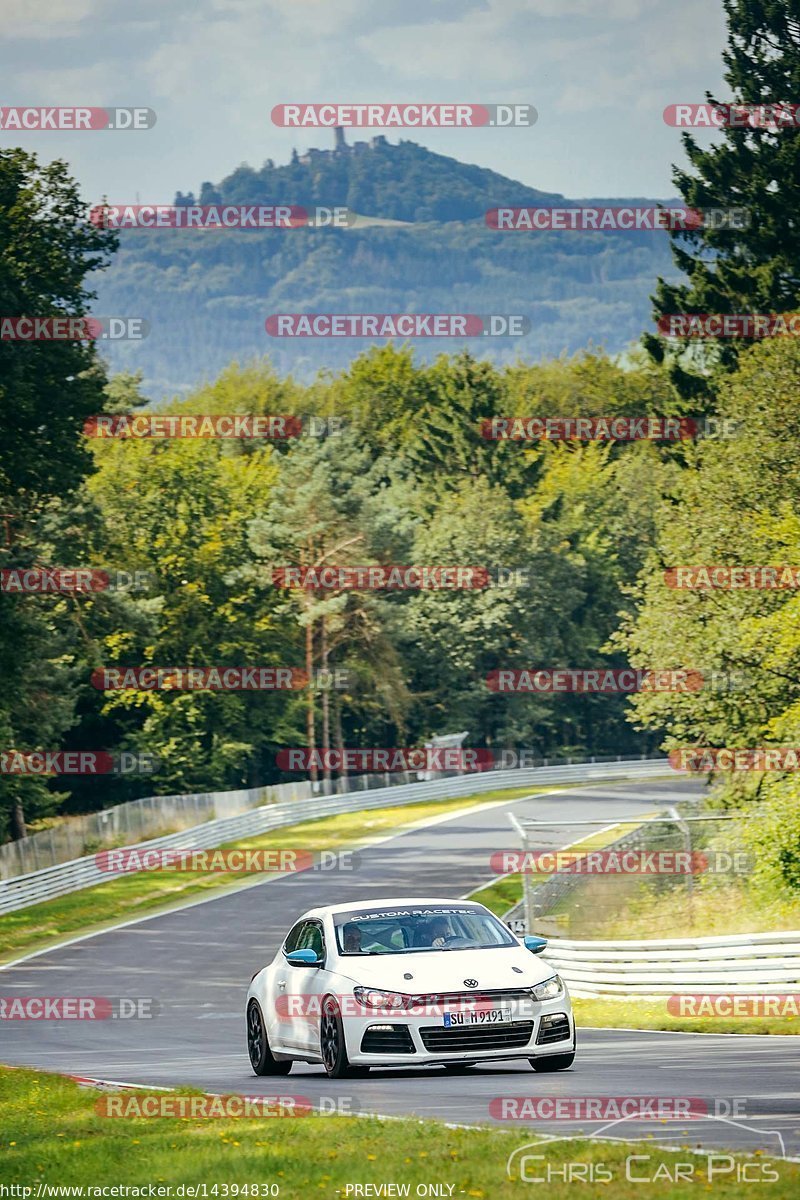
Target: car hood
[(447, 970)]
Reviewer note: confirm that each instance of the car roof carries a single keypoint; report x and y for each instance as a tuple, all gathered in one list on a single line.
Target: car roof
[(389, 902)]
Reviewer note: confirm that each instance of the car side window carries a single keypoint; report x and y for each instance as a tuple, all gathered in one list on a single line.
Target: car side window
[(292, 941), (311, 939)]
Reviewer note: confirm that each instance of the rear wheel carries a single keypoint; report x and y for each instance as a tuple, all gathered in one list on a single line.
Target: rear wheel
[(332, 1044), (261, 1059)]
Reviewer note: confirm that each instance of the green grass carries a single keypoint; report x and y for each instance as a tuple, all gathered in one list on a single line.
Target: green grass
[(717, 907), (125, 897), (53, 1134), (652, 1014)]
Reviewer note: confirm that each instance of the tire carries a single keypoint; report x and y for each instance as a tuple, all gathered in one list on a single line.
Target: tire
[(332, 1044), (261, 1059), (557, 1062), (458, 1068), (554, 1062)]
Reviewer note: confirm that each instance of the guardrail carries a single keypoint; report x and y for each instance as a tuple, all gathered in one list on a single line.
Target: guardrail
[(736, 963), (155, 816), (24, 890)]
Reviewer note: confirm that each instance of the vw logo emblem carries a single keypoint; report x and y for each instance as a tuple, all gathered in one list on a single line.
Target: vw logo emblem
[(470, 983)]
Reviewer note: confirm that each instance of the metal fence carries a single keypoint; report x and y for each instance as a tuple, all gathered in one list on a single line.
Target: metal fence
[(125, 824), (23, 890), (579, 903), (154, 816)]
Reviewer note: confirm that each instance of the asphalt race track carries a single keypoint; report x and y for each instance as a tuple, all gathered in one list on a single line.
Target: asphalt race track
[(197, 961)]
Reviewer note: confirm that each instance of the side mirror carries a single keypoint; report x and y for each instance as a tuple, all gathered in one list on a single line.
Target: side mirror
[(303, 958), (535, 944)]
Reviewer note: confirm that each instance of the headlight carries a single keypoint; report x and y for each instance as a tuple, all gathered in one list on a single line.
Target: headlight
[(548, 990), (375, 998)]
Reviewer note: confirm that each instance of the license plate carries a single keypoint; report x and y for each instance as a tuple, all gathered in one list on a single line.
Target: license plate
[(484, 1016)]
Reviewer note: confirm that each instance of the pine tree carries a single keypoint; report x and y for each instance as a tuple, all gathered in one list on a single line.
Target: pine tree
[(755, 269)]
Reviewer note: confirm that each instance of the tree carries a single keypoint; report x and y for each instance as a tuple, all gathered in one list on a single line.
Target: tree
[(47, 390), (180, 509), (738, 506), (754, 269), (321, 513)]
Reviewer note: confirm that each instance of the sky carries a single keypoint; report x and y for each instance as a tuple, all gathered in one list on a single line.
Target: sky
[(599, 72)]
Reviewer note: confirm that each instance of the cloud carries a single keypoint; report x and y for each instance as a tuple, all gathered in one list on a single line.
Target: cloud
[(213, 70), (44, 19)]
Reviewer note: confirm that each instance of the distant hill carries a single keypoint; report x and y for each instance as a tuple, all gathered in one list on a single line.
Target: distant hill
[(406, 182), (207, 294)]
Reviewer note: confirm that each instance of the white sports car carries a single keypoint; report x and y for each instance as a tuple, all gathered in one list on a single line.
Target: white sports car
[(407, 982)]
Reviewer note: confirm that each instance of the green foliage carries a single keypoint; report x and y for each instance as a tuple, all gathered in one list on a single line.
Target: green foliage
[(737, 505), (754, 269), (47, 390)]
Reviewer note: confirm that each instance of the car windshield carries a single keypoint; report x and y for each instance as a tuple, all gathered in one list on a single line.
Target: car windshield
[(418, 928)]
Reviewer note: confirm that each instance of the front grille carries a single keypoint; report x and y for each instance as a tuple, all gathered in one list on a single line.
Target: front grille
[(476, 1037), (497, 999), (556, 1031), (394, 1040)]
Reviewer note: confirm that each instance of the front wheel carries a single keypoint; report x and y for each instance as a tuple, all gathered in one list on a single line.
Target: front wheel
[(554, 1062), (261, 1059), (332, 1045)]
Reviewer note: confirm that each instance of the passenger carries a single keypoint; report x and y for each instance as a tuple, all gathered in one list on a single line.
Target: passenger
[(351, 939)]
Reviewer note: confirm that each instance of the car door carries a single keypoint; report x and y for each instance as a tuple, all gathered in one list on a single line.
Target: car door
[(281, 1005), (306, 987)]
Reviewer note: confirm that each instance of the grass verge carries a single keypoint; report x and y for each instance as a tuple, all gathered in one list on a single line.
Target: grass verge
[(125, 897), (716, 907), (652, 1014), (53, 1135)]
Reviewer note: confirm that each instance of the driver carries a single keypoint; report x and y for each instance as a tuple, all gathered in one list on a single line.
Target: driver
[(351, 939), (440, 931)]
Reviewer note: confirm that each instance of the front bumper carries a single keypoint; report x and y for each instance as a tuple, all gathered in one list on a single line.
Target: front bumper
[(399, 1038)]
